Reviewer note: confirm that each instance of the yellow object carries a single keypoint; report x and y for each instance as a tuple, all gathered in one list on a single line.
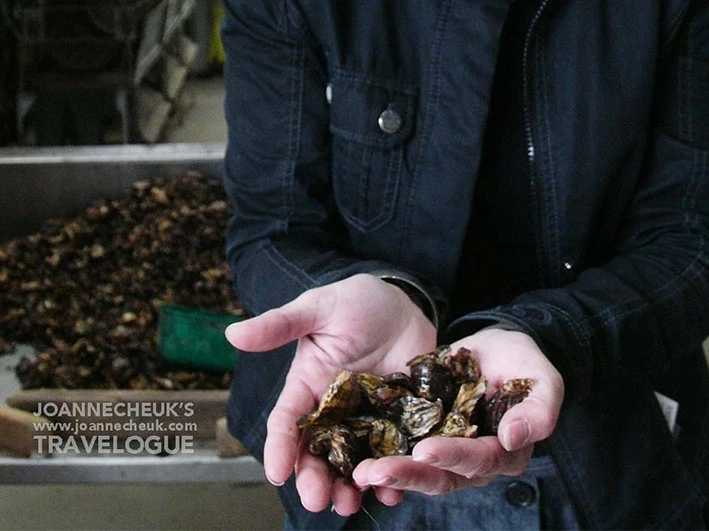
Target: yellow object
[(216, 49)]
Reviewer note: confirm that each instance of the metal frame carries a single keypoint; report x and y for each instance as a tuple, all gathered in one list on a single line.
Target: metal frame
[(154, 470)]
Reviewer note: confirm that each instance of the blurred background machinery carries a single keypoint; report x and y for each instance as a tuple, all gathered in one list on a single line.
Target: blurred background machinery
[(87, 72)]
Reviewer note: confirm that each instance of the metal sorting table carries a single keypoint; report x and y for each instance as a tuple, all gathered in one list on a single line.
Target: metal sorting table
[(83, 470), (41, 183)]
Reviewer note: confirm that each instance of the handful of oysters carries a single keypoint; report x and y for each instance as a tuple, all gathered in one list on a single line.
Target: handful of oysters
[(363, 415)]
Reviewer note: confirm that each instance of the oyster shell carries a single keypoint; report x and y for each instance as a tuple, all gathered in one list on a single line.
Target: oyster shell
[(366, 415), (386, 439)]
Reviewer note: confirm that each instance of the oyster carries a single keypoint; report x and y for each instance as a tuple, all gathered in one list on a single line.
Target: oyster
[(386, 439), (379, 392), (457, 425), (360, 426), (460, 420), (463, 366), (510, 393), (431, 379), (341, 400), (340, 445), (469, 395), (366, 415), (416, 416)]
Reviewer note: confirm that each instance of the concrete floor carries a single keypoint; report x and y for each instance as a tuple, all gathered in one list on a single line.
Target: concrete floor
[(156, 507)]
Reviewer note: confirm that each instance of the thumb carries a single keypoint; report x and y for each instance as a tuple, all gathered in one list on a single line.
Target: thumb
[(530, 421), (276, 327)]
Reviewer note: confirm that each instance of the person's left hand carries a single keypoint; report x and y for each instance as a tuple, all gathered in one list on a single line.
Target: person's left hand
[(440, 464)]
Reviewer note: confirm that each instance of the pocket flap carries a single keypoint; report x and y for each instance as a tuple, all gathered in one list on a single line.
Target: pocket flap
[(371, 112)]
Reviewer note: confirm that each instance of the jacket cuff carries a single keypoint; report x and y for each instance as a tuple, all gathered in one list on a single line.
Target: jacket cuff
[(415, 289), (560, 338)]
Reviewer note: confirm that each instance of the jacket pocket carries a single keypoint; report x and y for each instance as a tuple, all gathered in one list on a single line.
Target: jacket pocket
[(370, 122)]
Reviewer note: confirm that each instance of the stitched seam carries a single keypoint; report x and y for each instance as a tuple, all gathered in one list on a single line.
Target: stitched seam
[(288, 267), (553, 238), (362, 79), (582, 336), (694, 269), (688, 98), (254, 436), (433, 94), (674, 26), (390, 191), (703, 444), (559, 446), (680, 117), (687, 499), (297, 60)]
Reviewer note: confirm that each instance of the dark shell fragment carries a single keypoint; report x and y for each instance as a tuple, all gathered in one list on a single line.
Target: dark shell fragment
[(340, 445), (510, 393), (386, 439), (417, 416), (341, 400), (457, 425), (431, 379)]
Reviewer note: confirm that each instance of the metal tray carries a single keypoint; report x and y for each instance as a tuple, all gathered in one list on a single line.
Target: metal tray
[(41, 183)]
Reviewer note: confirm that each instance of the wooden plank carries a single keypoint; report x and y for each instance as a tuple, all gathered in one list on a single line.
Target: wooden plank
[(228, 445), (125, 413), (18, 430)]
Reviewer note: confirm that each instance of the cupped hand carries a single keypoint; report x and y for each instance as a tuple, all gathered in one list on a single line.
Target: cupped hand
[(362, 324), (439, 464)]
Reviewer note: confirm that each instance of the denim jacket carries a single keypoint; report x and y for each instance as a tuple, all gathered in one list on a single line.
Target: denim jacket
[(355, 132)]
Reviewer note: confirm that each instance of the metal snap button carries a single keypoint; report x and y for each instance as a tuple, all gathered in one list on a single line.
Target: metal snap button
[(520, 494), (328, 93), (390, 121)]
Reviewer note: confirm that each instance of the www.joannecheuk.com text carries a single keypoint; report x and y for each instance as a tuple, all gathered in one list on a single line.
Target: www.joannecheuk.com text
[(114, 445)]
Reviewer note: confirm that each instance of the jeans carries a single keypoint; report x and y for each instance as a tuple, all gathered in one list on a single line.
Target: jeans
[(535, 500)]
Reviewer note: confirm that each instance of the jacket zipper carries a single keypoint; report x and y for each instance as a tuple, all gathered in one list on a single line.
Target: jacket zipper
[(541, 263), (525, 82)]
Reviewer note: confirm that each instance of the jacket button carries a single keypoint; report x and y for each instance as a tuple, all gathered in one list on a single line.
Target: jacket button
[(328, 93), (520, 494), (389, 121)]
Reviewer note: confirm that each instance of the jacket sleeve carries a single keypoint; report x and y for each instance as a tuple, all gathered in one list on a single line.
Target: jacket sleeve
[(285, 236), (649, 305)]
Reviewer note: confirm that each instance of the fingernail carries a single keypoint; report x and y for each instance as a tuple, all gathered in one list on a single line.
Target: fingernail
[(390, 503), (229, 330), (427, 459), (275, 483), (386, 481), (358, 480), (515, 435)]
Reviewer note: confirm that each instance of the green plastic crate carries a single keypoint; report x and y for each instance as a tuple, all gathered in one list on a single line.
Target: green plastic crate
[(195, 338)]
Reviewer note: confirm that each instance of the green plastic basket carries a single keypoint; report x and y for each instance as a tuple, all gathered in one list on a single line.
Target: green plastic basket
[(195, 338)]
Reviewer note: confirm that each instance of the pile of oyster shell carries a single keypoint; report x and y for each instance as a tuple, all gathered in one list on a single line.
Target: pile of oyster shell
[(86, 292), (363, 415)]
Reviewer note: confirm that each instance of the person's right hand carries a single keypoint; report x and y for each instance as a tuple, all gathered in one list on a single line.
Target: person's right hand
[(361, 324)]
